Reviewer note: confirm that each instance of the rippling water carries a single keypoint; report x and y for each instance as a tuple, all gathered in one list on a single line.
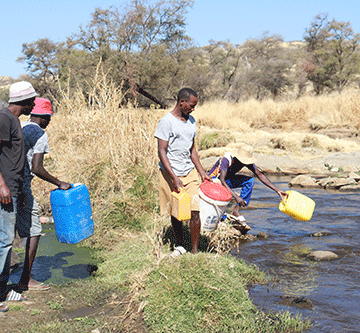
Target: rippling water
[(332, 286)]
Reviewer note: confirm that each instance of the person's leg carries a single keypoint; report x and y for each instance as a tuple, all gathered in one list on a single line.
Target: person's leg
[(246, 183), (195, 231), (247, 187), (28, 225), (192, 183), (178, 231), (31, 247), (7, 235)]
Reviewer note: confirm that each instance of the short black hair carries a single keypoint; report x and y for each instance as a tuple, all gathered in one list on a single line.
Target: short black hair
[(185, 94)]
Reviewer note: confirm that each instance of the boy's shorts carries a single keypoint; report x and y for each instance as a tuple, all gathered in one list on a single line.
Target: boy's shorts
[(191, 184), (27, 219)]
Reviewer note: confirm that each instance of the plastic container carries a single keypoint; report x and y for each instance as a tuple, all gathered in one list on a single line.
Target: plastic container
[(72, 214), (298, 206), (214, 198), (180, 206)]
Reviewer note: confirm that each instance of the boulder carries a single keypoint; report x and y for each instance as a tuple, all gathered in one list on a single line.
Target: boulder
[(322, 255), (354, 175), (339, 182), (303, 181), (262, 234)]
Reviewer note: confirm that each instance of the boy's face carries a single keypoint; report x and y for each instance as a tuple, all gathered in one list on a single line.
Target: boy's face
[(186, 107)]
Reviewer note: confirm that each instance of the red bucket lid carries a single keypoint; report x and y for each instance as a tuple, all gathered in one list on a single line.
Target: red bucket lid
[(215, 191)]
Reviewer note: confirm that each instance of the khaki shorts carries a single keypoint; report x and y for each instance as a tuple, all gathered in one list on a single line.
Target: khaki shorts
[(191, 184)]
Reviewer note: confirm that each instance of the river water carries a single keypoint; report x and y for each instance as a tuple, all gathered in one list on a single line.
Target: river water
[(331, 286)]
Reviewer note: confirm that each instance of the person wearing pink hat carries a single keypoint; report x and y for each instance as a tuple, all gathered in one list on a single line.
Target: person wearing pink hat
[(28, 222), (12, 158)]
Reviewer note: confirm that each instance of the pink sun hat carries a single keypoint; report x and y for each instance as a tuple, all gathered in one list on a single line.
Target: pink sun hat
[(20, 91), (42, 107)]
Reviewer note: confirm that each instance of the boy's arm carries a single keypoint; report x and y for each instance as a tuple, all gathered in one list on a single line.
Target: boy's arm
[(237, 197), (39, 170), (162, 146), (265, 180), (196, 160)]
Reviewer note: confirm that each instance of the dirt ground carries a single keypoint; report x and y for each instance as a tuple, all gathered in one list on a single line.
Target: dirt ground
[(43, 306)]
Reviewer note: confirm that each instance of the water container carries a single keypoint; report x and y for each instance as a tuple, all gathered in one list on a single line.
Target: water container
[(214, 198), (298, 206), (72, 214), (180, 206)]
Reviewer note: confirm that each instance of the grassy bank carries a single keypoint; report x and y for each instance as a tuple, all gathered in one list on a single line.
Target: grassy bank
[(112, 150)]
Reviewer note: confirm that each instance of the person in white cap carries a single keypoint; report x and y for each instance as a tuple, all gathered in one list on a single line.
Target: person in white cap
[(226, 169), (28, 222), (12, 158)]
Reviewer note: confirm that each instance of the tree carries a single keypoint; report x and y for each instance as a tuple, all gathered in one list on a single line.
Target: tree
[(332, 60), (42, 62), (269, 65)]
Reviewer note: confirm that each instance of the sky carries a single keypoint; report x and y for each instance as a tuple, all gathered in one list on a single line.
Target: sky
[(25, 21)]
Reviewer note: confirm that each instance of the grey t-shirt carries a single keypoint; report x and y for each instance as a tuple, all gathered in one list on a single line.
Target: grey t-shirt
[(12, 153), (180, 136)]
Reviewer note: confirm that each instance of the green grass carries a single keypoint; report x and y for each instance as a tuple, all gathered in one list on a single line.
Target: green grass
[(205, 293), (215, 139)]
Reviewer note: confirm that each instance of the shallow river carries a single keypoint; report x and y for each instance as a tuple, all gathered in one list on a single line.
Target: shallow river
[(332, 286)]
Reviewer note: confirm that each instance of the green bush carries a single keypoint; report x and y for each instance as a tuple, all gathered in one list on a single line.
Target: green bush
[(215, 139)]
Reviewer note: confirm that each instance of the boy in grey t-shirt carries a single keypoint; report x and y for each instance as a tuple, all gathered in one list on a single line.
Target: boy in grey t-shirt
[(180, 164)]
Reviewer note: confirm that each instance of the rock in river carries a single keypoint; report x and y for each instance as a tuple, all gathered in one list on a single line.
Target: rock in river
[(322, 255)]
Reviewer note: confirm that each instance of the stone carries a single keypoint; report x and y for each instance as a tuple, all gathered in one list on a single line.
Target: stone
[(354, 175), (300, 302), (263, 235), (322, 255), (339, 182), (324, 181), (354, 187), (320, 234), (303, 181)]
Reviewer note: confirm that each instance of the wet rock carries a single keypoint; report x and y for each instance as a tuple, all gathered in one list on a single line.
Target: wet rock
[(320, 234), (250, 238), (339, 182), (263, 235), (303, 181), (354, 187), (322, 255), (324, 181), (300, 302)]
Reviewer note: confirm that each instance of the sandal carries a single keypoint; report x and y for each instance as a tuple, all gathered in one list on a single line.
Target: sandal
[(14, 296), (39, 287), (178, 251), (3, 307)]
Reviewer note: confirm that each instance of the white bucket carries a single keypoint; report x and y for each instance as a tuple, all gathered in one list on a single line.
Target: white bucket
[(211, 211)]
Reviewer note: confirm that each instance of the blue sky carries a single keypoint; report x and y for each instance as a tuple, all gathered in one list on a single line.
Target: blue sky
[(25, 21)]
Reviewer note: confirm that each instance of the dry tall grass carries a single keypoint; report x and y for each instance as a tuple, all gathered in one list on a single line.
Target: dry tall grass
[(96, 142), (289, 126), (308, 112)]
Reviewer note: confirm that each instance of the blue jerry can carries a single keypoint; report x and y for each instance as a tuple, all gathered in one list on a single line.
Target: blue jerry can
[(72, 214)]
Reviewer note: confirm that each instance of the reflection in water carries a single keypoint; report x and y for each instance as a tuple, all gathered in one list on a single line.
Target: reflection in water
[(332, 286), (56, 262), (296, 276)]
